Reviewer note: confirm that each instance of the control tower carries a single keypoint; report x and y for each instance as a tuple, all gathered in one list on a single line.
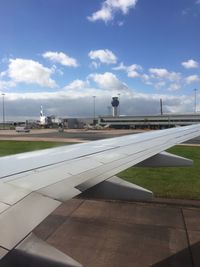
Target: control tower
[(115, 104)]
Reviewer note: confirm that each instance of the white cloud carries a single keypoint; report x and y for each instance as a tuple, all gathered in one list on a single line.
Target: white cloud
[(146, 78), (133, 71), (6, 84), (103, 55), (110, 7), (94, 65), (159, 73), (157, 77), (61, 58), (174, 87), (2, 74), (192, 79), (190, 64), (108, 81), (104, 14), (76, 85), (162, 78), (160, 84), (30, 72)]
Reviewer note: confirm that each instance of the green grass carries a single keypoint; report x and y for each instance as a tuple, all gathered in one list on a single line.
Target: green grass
[(14, 147), (183, 183)]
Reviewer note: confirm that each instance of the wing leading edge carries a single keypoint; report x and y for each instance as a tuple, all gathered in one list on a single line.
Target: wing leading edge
[(35, 183)]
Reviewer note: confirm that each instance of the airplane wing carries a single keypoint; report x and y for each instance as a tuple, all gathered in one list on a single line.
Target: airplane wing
[(33, 184)]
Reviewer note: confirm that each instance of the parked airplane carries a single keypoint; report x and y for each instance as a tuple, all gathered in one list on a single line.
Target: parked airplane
[(33, 184), (43, 119)]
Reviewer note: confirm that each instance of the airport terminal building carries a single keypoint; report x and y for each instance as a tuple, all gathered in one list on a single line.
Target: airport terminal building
[(151, 122)]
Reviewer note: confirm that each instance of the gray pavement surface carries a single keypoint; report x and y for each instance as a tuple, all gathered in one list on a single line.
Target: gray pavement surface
[(92, 136), (71, 135), (193, 141), (89, 135), (122, 234)]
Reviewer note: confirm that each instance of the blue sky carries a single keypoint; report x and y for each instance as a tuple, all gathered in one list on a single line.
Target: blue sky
[(61, 52)]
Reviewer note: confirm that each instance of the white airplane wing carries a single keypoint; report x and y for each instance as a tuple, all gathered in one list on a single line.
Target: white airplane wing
[(33, 184)]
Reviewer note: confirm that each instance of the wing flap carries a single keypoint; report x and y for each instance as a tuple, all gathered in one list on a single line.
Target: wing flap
[(3, 207), (10, 194), (20, 219), (60, 191), (3, 252)]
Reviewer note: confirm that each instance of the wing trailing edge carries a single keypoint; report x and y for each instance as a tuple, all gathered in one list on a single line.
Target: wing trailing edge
[(115, 188), (165, 159)]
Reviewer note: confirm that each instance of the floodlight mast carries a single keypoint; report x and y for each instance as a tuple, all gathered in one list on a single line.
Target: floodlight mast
[(3, 111), (94, 109), (195, 100)]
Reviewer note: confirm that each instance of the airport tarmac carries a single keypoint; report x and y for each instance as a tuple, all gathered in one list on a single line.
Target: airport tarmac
[(122, 234), (69, 135), (72, 135)]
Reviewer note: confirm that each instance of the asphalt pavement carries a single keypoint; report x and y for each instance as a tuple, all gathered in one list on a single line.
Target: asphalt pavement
[(122, 234)]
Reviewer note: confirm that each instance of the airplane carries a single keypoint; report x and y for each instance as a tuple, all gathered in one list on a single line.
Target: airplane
[(43, 119), (34, 184)]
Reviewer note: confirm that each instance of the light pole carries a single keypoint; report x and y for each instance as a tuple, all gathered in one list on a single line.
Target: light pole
[(195, 100), (94, 109), (119, 105), (3, 110)]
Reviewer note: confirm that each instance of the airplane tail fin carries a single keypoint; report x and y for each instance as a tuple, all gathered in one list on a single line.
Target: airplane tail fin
[(41, 111)]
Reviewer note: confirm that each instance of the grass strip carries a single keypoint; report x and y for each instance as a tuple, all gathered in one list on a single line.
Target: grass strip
[(14, 147), (170, 182)]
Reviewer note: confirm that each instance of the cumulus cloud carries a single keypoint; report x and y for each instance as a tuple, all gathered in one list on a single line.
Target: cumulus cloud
[(190, 64), (192, 79), (110, 7), (103, 55), (108, 81), (76, 85), (61, 58), (161, 73), (162, 78), (132, 70), (157, 77), (30, 72)]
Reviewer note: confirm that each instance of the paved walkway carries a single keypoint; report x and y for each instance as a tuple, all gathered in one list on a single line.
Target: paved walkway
[(121, 234)]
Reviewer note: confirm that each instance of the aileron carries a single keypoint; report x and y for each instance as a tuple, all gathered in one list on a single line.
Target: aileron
[(20, 219)]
